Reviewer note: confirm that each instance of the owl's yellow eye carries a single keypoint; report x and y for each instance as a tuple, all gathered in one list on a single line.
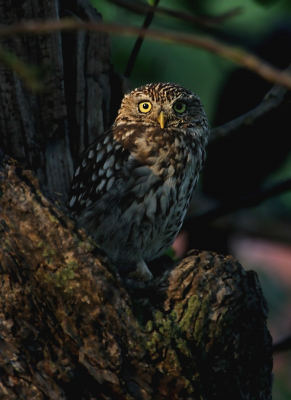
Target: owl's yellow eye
[(180, 107), (145, 106)]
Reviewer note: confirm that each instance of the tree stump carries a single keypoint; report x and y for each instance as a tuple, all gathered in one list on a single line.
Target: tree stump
[(71, 330)]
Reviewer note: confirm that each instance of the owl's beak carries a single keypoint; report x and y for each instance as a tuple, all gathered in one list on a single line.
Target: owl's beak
[(161, 119)]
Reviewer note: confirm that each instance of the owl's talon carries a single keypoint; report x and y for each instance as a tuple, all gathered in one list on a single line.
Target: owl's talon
[(141, 273)]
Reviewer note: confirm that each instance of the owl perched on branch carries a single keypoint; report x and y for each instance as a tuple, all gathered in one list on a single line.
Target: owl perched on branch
[(133, 185)]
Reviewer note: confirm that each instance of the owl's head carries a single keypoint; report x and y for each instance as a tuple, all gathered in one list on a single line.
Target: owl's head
[(164, 105)]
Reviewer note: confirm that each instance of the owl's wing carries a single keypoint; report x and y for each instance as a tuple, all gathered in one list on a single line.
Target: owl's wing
[(97, 171)]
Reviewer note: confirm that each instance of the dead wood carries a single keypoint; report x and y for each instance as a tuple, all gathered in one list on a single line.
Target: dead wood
[(47, 131), (70, 330)]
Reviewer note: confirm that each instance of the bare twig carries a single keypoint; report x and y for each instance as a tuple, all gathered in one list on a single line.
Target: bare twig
[(252, 224), (247, 201), (209, 22), (274, 98), (239, 56), (283, 345), (136, 48)]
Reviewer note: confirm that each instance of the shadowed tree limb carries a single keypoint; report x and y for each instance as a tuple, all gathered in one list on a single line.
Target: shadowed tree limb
[(71, 330), (250, 200), (236, 55), (283, 345), (136, 48), (210, 22), (277, 97)]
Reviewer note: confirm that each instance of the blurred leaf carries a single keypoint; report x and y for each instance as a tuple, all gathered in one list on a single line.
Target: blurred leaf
[(171, 253), (151, 2)]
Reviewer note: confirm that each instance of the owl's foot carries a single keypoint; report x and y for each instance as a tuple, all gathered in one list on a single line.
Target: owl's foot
[(141, 273)]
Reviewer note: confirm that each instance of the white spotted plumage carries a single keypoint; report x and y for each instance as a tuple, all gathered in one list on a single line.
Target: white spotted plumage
[(133, 185)]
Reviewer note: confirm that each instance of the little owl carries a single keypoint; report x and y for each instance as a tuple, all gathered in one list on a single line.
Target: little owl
[(133, 185)]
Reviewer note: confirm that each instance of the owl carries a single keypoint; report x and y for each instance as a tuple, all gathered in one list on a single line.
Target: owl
[(133, 185)]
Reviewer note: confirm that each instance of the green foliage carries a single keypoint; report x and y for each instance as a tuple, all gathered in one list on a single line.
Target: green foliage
[(200, 71)]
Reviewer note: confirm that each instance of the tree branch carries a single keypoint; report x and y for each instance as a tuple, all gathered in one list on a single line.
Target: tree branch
[(239, 56), (250, 200), (283, 345), (148, 20), (278, 96), (210, 22), (70, 330)]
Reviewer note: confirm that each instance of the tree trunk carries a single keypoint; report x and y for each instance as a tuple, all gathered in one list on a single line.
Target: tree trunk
[(47, 131), (71, 329)]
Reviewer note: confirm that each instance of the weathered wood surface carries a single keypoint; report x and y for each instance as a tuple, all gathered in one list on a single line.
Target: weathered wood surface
[(70, 330), (47, 131)]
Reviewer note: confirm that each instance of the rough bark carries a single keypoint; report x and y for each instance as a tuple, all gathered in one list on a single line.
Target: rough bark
[(70, 330), (47, 131)]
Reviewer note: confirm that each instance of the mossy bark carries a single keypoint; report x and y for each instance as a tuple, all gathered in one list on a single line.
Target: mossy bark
[(70, 329)]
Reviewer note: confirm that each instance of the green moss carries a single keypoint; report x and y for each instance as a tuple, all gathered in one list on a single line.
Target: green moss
[(166, 329), (48, 252), (194, 306), (6, 246), (62, 276), (53, 219), (149, 326), (72, 264), (89, 245), (48, 277), (66, 273), (179, 306), (201, 318), (183, 347)]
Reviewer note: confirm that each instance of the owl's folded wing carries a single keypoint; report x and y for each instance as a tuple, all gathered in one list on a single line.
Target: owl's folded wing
[(97, 171)]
